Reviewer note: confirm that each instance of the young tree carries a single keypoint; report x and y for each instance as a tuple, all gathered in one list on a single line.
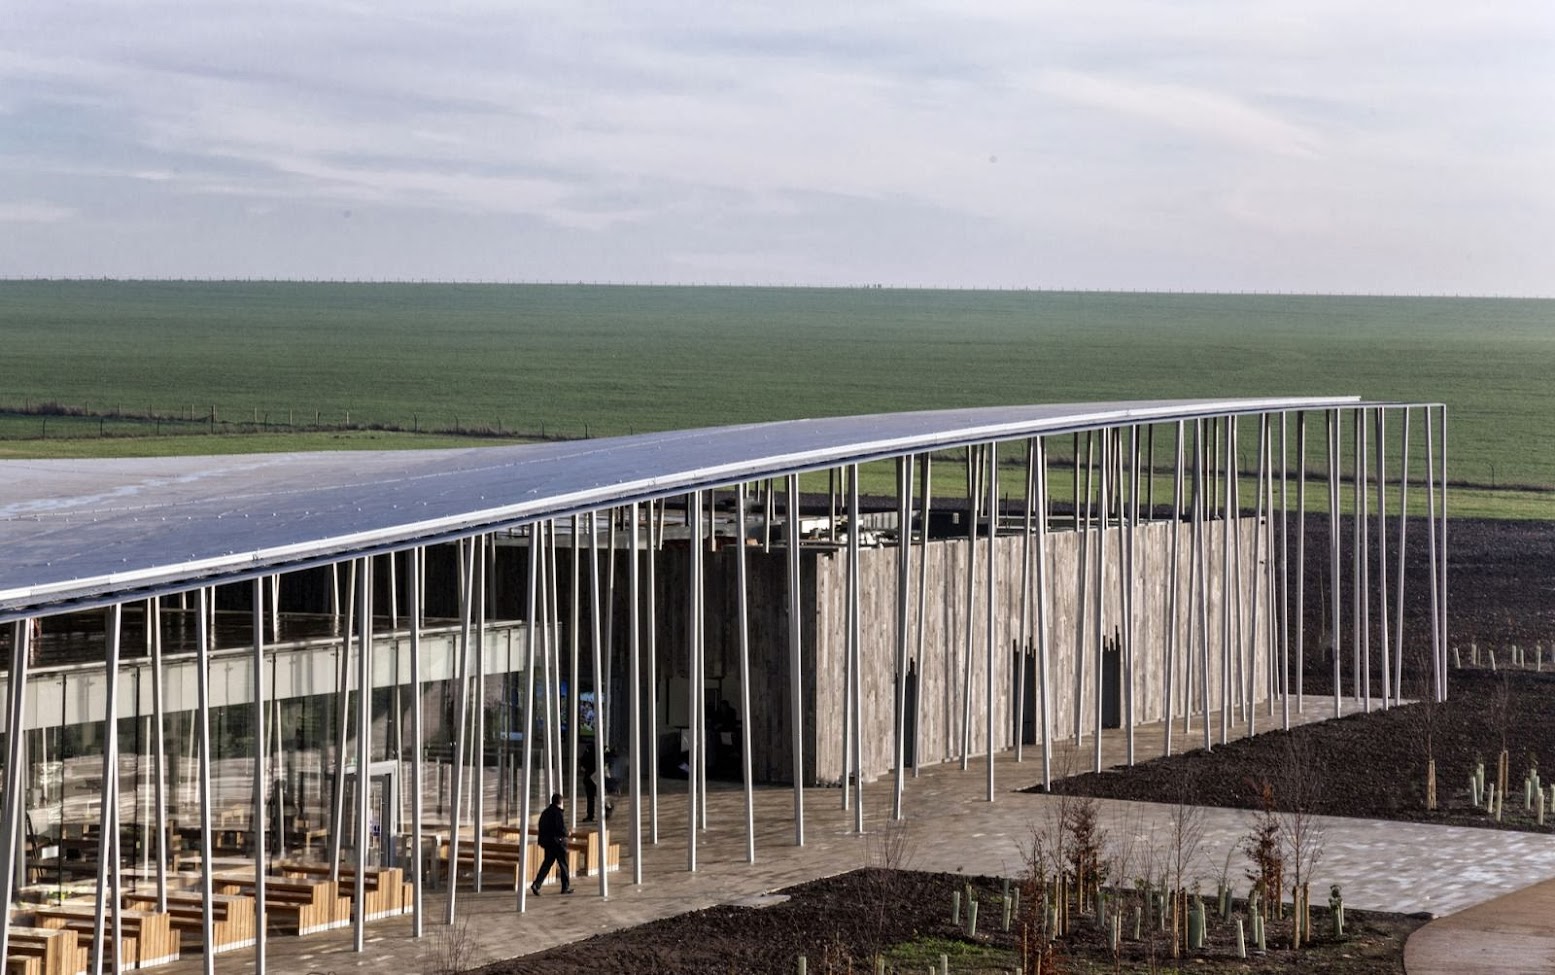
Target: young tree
[(1301, 785)]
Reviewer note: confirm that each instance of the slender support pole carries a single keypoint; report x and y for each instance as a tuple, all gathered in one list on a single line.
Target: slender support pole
[(337, 821), (1170, 612), (364, 729), (1228, 515), (856, 704), (1361, 585), (1127, 529), (903, 582), (477, 739), (1284, 599), (414, 566), (15, 780), (261, 774), (1398, 594), (925, 491), (1334, 447), (973, 465), (1043, 670), (795, 660), (693, 674), (653, 677), (1202, 500), (202, 637), (1082, 575), (107, 844), (1099, 589), (634, 701), (601, 706), (526, 734), (742, 582), (573, 644), (850, 722), (991, 619), (462, 703), (158, 744), (1301, 559), (1023, 640), (1431, 554), (1382, 558), (1442, 566)]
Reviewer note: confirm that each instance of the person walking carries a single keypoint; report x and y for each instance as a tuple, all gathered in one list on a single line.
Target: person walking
[(553, 841)]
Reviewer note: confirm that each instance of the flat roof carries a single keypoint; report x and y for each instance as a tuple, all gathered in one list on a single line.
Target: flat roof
[(76, 531)]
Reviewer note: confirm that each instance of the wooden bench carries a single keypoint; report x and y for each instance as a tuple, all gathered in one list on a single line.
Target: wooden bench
[(503, 861), (585, 843), (146, 938), (45, 951), (233, 924), (298, 905), (388, 894)]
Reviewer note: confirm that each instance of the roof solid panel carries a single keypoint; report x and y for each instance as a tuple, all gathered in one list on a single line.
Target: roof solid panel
[(71, 529)]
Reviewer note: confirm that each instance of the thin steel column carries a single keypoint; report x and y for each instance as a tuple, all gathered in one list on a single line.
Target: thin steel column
[(202, 637), (1382, 557), (364, 729), (1362, 582), (1127, 529), (1098, 595), (478, 711), (1023, 641), (1285, 566), (693, 675), (601, 705), (15, 781), (1262, 516), (417, 907), (850, 723), (1334, 448), (742, 581), (466, 563), (653, 677), (1227, 513), (973, 465), (572, 678), (796, 702), (261, 773), (158, 743), (855, 704), (342, 727), (925, 489), (903, 582), (993, 562), (1042, 616), (1403, 522), (524, 798), (1082, 576), (107, 844), (634, 700), (1442, 622), (1438, 648), (1203, 498), (1301, 559), (1172, 575)]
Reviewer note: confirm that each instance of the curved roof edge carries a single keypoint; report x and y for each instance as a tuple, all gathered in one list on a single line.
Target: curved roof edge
[(79, 532)]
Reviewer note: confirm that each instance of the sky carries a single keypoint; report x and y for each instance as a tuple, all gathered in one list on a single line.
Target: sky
[(1289, 145)]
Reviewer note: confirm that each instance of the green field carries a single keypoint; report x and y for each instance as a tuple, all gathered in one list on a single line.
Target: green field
[(270, 358)]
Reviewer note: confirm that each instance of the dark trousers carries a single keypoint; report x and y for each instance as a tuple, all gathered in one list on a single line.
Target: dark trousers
[(554, 853)]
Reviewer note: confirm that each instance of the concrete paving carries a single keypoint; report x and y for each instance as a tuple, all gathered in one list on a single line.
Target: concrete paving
[(951, 826)]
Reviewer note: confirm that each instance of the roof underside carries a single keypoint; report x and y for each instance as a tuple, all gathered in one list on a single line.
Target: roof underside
[(79, 530)]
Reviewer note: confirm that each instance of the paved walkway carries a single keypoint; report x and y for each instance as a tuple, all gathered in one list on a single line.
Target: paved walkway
[(1471, 874)]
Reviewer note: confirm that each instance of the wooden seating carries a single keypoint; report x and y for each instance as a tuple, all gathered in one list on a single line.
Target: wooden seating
[(388, 894), (232, 915), (45, 951), (299, 905), (584, 843), (502, 861), (147, 936)]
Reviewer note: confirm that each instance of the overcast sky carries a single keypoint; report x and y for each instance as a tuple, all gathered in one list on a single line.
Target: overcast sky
[(1328, 145)]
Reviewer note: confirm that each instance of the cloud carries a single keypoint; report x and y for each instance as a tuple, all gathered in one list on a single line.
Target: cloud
[(34, 213)]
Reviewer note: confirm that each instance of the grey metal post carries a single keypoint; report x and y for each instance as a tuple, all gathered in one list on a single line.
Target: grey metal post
[(1361, 585), (925, 490), (1098, 592), (1170, 610), (634, 695), (1127, 527), (903, 582), (796, 702), (158, 743), (574, 646), (1042, 616), (693, 674), (653, 679), (1202, 500), (601, 703), (462, 705), (742, 582), (973, 462), (337, 822), (477, 739), (202, 683), (850, 728), (524, 798), (1403, 522), (261, 774), (855, 705), (418, 747), (1334, 448), (364, 737), (1382, 557), (1023, 641), (1285, 566), (1301, 559), (1082, 574), (1442, 567), (1437, 647), (15, 781), (993, 562), (107, 844)]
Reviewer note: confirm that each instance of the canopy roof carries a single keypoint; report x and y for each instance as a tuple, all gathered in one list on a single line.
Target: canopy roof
[(78, 531)]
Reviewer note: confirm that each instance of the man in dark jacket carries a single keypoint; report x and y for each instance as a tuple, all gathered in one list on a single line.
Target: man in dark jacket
[(553, 841)]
